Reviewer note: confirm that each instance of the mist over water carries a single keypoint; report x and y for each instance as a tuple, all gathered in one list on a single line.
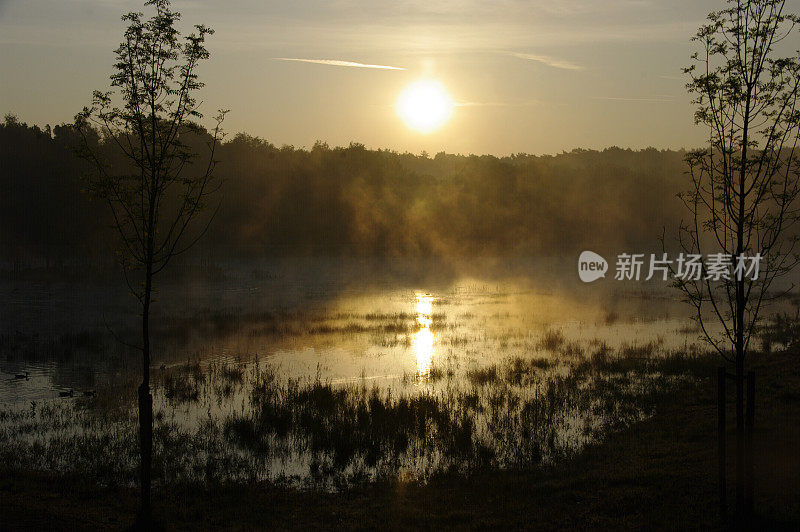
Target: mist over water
[(336, 319), (336, 333)]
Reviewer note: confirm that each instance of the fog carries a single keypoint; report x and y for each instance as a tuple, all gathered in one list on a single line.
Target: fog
[(353, 202)]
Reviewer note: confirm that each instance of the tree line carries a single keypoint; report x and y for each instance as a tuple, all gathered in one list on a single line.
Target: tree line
[(353, 201)]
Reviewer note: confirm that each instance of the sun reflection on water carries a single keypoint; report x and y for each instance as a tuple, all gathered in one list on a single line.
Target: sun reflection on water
[(422, 340)]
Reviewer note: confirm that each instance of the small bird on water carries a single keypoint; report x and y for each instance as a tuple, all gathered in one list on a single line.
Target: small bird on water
[(20, 376), (70, 393)]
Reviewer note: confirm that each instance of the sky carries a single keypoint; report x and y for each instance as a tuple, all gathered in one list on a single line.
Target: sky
[(533, 76)]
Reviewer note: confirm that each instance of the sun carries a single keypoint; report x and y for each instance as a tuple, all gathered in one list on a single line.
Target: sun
[(425, 106)]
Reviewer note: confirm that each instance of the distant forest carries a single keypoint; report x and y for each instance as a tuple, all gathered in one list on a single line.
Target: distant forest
[(326, 201)]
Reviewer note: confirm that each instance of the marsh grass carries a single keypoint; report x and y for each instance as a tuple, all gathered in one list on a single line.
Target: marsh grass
[(538, 401), (552, 340), (436, 373), (232, 421), (610, 318), (181, 387), (483, 376), (207, 323)]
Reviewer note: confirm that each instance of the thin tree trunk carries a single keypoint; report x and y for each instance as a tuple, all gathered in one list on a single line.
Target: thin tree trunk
[(145, 398), (740, 308), (739, 432), (146, 407), (740, 304)]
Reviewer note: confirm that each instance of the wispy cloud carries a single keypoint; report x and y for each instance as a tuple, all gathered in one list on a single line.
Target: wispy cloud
[(547, 60), (337, 62), (655, 99), (497, 104)]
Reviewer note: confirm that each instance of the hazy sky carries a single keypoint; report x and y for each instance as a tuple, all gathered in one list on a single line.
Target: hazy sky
[(528, 76)]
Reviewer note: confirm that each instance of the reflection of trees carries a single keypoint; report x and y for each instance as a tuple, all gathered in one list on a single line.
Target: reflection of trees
[(81, 360)]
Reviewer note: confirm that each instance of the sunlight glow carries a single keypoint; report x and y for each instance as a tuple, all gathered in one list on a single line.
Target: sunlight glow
[(422, 341), (425, 106)]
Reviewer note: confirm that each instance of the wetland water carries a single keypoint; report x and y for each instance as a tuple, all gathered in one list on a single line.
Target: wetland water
[(313, 377)]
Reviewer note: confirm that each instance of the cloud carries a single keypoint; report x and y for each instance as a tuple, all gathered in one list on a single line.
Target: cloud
[(546, 60), (497, 104), (337, 62), (657, 99)]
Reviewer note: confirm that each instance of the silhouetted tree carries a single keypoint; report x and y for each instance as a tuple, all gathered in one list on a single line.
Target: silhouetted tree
[(149, 174), (742, 200)]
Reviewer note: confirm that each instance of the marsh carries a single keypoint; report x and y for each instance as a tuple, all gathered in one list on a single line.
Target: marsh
[(277, 373)]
